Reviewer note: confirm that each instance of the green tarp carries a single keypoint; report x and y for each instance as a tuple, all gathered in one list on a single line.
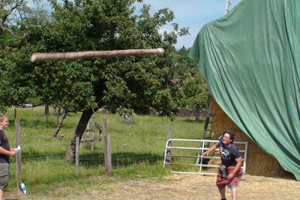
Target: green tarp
[(251, 62)]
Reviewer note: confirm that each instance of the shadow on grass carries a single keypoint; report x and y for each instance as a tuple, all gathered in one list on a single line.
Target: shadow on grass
[(193, 120), (119, 159), (92, 160), (32, 123), (37, 121), (27, 157)]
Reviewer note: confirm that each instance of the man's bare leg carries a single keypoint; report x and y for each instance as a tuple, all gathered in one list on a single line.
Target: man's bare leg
[(222, 193), (234, 193)]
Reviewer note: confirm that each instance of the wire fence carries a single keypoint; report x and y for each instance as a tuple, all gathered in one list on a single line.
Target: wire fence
[(43, 156), (134, 144)]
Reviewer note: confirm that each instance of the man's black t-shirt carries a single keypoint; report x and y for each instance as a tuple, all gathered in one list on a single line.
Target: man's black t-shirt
[(228, 155), (5, 145)]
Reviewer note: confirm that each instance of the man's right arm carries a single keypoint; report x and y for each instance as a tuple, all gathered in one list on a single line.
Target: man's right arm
[(214, 147)]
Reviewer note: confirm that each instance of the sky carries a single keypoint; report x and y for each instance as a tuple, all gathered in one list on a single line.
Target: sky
[(188, 13), (191, 13)]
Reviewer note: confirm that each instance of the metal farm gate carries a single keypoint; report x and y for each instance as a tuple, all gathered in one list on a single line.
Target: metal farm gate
[(190, 152)]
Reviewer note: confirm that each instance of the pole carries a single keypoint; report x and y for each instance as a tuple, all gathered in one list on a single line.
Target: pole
[(169, 136), (107, 149), (18, 156), (108, 157), (77, 156), (39, 57)]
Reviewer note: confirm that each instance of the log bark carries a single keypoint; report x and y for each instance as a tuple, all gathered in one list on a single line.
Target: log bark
[(40, 57), (84, 119)]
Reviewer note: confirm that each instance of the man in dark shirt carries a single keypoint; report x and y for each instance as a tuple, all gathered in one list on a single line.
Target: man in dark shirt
[(232, 162), (5, 153)]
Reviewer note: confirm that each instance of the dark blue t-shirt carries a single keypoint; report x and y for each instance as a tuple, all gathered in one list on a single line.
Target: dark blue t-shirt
[(5, 145), (229, 154)]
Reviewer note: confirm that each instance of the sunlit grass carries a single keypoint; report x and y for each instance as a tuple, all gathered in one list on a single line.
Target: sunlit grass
[(137, 149)]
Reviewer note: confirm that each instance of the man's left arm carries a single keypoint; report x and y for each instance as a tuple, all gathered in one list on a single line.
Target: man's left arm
[(239, 163)]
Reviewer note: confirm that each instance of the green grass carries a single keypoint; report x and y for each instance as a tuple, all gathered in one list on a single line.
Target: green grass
[(43, 165)]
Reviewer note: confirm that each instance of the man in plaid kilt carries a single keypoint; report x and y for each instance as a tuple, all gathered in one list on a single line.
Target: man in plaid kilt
[(230, 172)]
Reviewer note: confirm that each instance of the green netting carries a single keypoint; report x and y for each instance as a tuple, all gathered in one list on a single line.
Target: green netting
[(251, 61)]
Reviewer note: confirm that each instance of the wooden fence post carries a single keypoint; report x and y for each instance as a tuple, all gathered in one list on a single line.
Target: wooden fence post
[(108, 157), (107, 149), (169, 136), (77, 156), (93, 133), (104, 138), (18, 156)]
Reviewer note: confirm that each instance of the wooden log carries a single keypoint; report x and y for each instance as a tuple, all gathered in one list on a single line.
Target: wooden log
[(38, 57)]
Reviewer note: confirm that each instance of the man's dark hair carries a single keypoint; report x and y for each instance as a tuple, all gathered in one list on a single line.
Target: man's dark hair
[(231, 135)]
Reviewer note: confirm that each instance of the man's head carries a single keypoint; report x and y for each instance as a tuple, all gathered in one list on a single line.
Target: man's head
[(3, 122), (228, 137)]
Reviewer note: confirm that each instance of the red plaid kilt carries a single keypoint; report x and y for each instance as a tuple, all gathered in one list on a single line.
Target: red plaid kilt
[(234, 181)]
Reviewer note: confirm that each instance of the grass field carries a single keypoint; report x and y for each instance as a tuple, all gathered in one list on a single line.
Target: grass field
[(137, 150)]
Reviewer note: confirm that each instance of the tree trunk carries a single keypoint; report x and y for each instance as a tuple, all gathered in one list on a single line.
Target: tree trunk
[(46, 111), (61, 121), (197, 113), (57, 116), (84, 119), (15, 112)]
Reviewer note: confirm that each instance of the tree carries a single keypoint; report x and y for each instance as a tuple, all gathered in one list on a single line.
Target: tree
[(195, 92), (87, 85), (11, 11), (185, 64)]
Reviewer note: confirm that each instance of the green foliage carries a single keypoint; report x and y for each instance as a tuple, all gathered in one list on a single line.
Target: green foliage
[(195, 91), (12, 11), (193, 88), (185, 64), (34, 101), (122, 111)]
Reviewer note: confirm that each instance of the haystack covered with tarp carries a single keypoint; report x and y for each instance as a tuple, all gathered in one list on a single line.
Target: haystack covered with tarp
[(251, 62)]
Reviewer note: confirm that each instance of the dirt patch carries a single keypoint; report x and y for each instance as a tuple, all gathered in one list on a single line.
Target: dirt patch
[(185, 186)]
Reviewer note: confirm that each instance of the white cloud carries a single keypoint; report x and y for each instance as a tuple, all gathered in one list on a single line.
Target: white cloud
[(162, 30)]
